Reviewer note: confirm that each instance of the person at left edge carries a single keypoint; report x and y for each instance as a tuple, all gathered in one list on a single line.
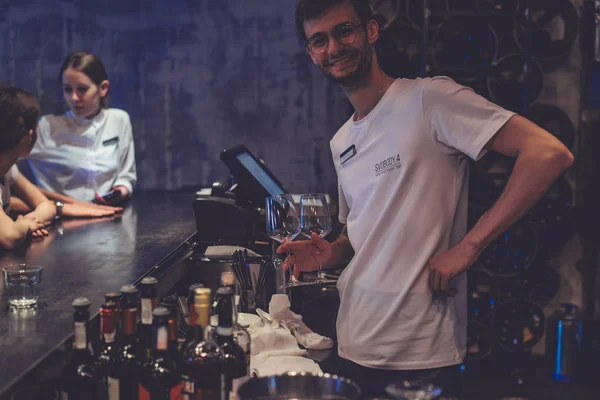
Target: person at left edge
[(89, 150), (19, 114)]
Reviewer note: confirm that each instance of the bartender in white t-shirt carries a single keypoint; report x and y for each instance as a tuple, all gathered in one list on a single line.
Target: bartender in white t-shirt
[(88, 152), (402, 165)]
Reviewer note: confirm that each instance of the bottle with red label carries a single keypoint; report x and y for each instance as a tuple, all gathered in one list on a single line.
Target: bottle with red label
[(106, 355), (129, 356)]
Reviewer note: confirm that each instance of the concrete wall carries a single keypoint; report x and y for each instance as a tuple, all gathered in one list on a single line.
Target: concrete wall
[(196, 76)]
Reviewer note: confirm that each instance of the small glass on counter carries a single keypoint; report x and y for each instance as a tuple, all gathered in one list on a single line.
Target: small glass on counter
[(21, 283)]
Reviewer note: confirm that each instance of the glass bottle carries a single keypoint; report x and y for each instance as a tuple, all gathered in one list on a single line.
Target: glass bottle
[(106, 355), (240, 334), (129, 357), (170, 303), (114, 299), (148, 302), (235, 356), (79, 379), (202, 359), (159, 377)]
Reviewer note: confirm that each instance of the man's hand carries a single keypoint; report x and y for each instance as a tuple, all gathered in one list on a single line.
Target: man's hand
[(304, 253), (85, 210), (36, 227), (447, 265)]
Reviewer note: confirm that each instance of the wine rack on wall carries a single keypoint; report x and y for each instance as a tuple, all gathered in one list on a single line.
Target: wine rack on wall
[(522, 55)]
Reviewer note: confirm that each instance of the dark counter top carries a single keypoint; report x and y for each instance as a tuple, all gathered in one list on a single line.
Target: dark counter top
[(87, 258)]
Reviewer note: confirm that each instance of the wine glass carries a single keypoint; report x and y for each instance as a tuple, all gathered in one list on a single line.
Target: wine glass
[(315, 217), (413, 390), (283, 225)]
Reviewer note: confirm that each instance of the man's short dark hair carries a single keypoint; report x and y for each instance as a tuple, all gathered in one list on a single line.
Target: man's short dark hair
[(19, 114), (310, 9)]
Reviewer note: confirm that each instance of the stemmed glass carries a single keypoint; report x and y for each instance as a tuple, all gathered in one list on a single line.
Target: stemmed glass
[(283, 225), (315, 217)]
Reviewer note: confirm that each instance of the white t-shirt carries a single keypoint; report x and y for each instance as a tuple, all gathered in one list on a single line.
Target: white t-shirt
[(8, 180), (79, 157), (403, 196)]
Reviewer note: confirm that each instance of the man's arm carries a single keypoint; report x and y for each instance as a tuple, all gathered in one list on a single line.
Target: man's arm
[(540, 160)]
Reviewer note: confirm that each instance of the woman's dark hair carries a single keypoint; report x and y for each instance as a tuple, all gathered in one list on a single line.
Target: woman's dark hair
[(310, 9), (19, 114), (90, 65)]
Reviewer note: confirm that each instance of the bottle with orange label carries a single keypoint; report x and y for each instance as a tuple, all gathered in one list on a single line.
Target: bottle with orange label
[(170, 303), (159, 377), (203, 362)]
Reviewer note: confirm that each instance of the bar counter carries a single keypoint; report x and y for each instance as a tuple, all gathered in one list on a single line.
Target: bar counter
[(156, 235), (89, 258)]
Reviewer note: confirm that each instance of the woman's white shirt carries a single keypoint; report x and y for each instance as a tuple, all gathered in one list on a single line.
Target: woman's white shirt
[(80, 157)]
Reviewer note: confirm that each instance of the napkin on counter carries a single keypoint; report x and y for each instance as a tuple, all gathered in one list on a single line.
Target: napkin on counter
[(280, 313), (275, 340)]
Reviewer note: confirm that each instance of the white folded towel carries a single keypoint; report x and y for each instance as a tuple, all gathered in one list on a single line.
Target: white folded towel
[(279, 310), (275, 341)]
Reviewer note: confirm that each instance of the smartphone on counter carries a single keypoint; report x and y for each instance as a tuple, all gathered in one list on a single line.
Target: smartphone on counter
[(108, 196)]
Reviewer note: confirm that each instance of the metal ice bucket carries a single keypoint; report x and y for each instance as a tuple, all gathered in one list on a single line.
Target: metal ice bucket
[(299, 386)]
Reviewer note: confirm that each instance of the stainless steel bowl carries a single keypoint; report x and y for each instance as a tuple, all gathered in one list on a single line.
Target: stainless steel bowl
[(299, 386)]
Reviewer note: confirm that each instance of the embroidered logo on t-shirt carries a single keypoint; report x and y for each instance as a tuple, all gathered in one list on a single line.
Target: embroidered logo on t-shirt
[(387, 165)]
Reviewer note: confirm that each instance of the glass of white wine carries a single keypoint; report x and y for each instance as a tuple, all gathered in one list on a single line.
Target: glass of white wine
[(283, 225), (315, 217)]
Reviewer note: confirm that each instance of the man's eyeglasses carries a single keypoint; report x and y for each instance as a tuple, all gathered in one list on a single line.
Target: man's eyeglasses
[(343, 33)]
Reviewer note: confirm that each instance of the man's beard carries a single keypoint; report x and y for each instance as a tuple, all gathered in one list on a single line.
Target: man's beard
[(362, 70)]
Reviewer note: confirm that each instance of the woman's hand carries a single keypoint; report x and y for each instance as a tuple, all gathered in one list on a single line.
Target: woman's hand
[(120, 194), (88, 210)]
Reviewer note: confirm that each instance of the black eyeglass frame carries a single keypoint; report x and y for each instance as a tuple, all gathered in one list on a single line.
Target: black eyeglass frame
[(355, 28)]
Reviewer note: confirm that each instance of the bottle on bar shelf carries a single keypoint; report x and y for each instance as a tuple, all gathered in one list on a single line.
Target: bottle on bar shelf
[(128, 358), (235, 356), (160, 378), (170, 303), (79, 379), (190, 304), (111, 299), (148, 302), (106, 355), (240, 334), (202, 360), (227, 280)]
